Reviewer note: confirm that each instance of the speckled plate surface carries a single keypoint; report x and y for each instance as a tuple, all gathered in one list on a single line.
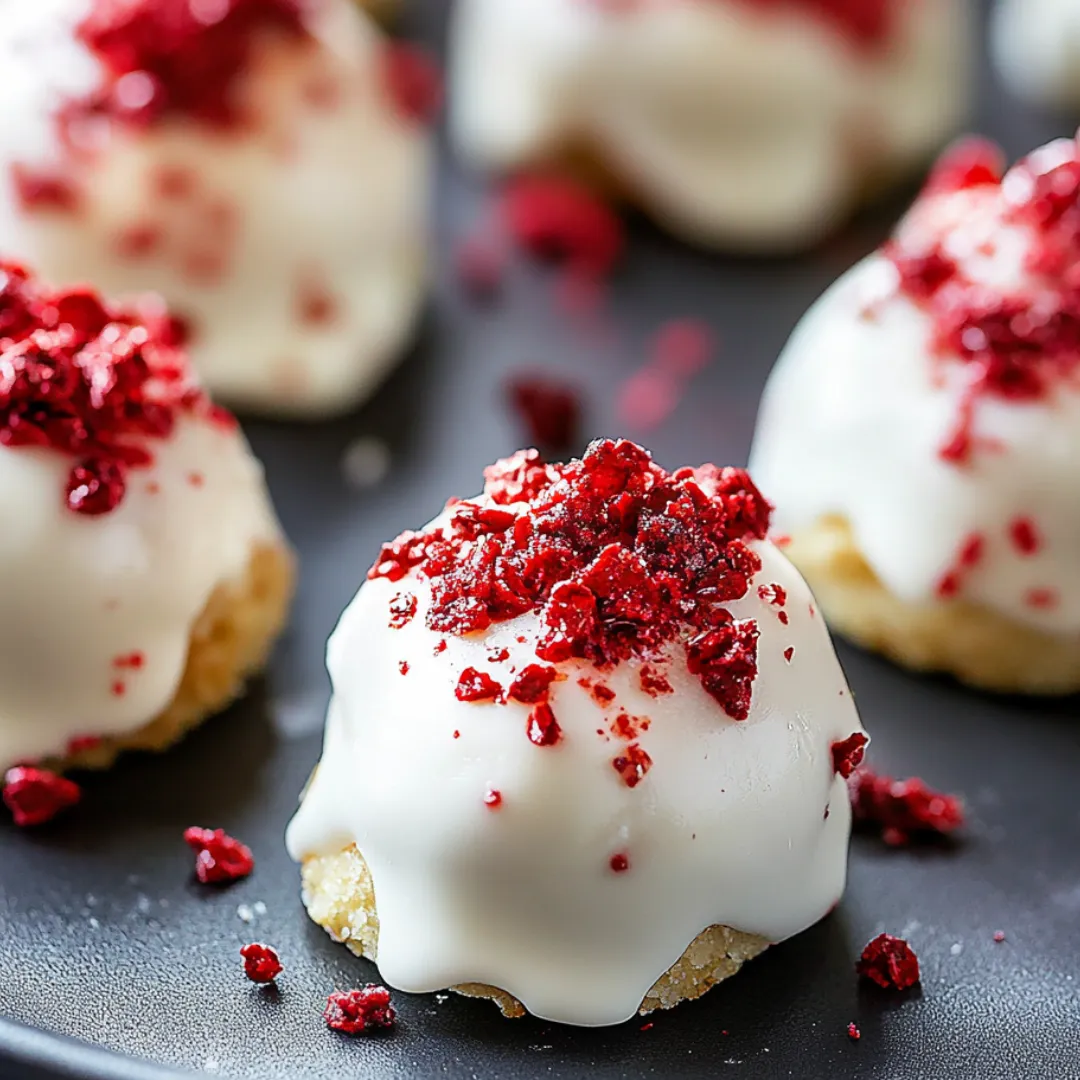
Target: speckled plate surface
[(114, 963)]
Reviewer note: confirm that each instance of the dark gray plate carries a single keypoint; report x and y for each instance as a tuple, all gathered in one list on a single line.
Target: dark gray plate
[(105, 938)]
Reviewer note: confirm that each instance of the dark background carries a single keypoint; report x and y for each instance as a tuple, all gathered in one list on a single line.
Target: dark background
[(105, 937)]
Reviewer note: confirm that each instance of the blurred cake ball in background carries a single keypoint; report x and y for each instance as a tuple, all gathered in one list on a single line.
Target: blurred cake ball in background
[(1036, 45), (753, 125), (263, 164), (920, 435)]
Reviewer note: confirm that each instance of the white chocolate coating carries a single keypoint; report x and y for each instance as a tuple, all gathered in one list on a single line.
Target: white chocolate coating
[(857, 408), (1036, 46), (732, 126), (78, 592), (727, 827), (325, 200)]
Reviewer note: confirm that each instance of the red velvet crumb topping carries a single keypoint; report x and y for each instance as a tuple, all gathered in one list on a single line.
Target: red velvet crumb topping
[(543, 729), (359, 1012), (532, 684), (402, 610), (1015, 343), (165, 58), (618, 557), (890, 962), (619, 863), (35, 796), (493, 799), (632, 765), (96, 383), (476, 685), (902, 810), (847, 755), (219, 858), (653, 683), (261, 963)]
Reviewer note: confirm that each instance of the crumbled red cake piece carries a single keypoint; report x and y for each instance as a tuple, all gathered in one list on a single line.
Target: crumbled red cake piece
[(476, 685), (402, 610), (493, 799), (554, 217), (999, 936), (618, 557), (413, 80), (35, 796), (261, 963), (403, 667), (789, 652), (853, 1032), (219, 858), (619, 862), (890, 962), (165, 59), (632, 765), (358, 1012), (549, 408), (532, 683), (96, 383), (847, 755), (902, 810), (543, 729), (652, 682)]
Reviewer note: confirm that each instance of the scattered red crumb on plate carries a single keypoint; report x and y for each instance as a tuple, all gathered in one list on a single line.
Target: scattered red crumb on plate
[(999, 936), (219, 858), (261, 963), (476, 685), (357, 1012), (35, 796), (890, 962), (619, 863), (646, 1027), (549, 408), (853, 1032), (902, 810)]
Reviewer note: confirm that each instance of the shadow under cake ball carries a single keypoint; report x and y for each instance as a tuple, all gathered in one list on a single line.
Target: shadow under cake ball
[(740, 124), (587, 744), (143, 574), (264, 167), (921, 431)]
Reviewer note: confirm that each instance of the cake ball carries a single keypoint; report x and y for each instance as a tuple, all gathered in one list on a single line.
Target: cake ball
[(1036, 46), (143, 575), (921, 432), (587, 747), (262, 164), (743, 124)]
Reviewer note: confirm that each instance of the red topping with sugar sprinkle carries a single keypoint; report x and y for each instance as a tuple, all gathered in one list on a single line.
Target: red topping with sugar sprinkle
[(632, 765), (543, 729), (163, 59), (219, 858), (476, 685), (359, 1012), (99, 384), (619, 558), (847, 755), (890, 962), (902, 810), (261, 963), (35, 796), (1015, 343)]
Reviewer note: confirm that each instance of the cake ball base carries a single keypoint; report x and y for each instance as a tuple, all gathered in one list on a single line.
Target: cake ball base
[(230, 643), (339, 896), (972, 643)]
